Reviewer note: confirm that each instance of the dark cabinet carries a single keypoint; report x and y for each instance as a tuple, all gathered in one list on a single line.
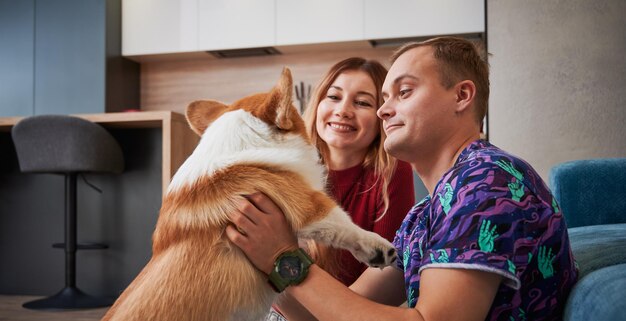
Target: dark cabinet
[(17, 42), (68, 58)]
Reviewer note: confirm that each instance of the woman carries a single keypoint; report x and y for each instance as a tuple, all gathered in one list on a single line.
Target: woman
[(374, 188)]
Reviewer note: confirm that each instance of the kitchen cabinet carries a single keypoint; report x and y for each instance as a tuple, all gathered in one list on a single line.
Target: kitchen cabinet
[(159, 26), (225, 24), (17, 23), (154, 27), (306, 22), (64, 57), (78, 63), (416, 18)]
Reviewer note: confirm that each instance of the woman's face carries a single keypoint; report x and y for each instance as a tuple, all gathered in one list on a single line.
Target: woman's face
[(346, 116)]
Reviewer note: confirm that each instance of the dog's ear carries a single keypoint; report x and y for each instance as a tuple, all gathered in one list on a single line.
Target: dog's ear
[(201, 113), (282, 96)]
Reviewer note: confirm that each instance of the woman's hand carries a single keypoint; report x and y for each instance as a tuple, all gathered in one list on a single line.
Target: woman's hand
[(261, 231)]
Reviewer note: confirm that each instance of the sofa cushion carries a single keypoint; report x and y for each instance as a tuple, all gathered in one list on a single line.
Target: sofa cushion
[(599, 296), (598, 246), (591, 192)]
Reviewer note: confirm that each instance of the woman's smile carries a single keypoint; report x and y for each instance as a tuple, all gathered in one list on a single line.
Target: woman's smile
[(341, 127)]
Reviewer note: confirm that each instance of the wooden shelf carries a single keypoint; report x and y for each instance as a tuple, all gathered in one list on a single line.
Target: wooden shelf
[(178, 140)]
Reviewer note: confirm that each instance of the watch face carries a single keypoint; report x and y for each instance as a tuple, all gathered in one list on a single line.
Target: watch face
[(290, 268)]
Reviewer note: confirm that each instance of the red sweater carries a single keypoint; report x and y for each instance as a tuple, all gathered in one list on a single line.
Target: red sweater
[(357, 191)]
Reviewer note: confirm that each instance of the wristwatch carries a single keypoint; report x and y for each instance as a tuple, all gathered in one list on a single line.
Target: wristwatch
[(290, 268)]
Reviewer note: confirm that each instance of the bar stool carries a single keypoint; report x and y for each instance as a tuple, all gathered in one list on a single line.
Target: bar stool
[(69, 146)]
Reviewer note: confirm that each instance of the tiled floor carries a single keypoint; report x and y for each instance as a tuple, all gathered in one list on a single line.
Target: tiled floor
[(11, 310)]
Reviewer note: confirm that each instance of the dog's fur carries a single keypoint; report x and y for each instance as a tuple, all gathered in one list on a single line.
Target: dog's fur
[(259, 143)]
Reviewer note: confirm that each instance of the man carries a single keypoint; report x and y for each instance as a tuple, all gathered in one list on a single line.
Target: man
[(487, 243)]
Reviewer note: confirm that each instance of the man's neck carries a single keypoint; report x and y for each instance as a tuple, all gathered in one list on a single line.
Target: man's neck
[(433, 165)]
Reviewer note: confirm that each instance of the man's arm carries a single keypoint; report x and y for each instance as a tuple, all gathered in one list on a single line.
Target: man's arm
[(384, 286), (328, 299), (456, 294), (445, 294)]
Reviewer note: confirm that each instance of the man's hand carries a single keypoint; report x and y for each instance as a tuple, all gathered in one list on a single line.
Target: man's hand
[(261, 231)]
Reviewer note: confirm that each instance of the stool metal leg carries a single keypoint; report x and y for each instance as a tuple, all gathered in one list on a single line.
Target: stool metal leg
[(69, 297)]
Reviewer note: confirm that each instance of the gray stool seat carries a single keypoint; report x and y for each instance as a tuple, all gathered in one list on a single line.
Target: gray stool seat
[(56, 143), (67, 145)]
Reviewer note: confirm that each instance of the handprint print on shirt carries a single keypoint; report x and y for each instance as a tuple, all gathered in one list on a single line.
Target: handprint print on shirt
[(446, 199), (516, 187), (555, 206), (517, 190), (545, 262), (406, 256), (510, 169), (511, 266), (487, 236), (443, 257), (521, 316)]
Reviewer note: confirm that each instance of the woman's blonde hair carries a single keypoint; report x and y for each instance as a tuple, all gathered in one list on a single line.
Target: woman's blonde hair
[(376, 157)]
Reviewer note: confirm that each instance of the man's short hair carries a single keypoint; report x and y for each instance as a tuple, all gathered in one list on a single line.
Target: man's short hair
[(457, 59)]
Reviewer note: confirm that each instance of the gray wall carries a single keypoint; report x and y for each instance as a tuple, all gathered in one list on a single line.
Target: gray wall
[(558, 79)]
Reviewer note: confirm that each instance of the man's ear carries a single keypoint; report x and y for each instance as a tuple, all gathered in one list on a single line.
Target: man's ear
[(465, 95), (201, 113)]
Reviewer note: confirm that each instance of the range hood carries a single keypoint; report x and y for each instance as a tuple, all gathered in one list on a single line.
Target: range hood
[(245, 52)]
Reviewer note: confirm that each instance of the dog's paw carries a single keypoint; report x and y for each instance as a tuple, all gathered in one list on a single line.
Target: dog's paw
[(374, 250)]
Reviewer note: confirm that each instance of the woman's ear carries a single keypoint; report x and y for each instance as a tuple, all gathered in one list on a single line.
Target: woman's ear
[(465, 95)]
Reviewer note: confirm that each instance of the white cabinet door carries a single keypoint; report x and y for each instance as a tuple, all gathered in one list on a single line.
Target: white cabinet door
[(159, 26), (318, 21), (414, 18), (228, 24)]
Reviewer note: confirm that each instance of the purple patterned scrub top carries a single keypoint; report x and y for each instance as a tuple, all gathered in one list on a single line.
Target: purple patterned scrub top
[(492, 212)]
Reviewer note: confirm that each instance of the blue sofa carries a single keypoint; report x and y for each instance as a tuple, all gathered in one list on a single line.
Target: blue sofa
[(592, 196)]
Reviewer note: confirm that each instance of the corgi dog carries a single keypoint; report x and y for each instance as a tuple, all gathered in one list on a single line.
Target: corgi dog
[(257, 144)]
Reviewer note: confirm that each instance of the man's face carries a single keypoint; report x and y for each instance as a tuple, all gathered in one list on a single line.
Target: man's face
[(418, 113)]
